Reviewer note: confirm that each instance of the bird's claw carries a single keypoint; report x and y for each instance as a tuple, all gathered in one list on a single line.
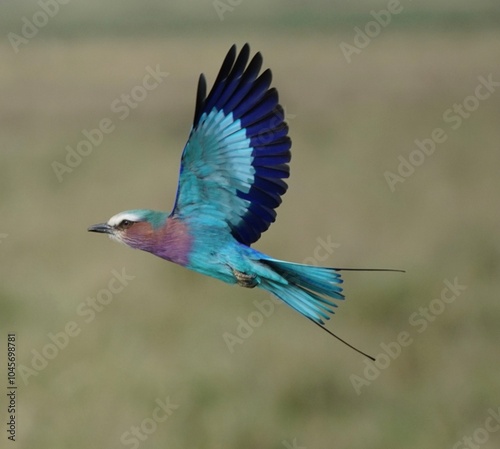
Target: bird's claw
[(245, 280)]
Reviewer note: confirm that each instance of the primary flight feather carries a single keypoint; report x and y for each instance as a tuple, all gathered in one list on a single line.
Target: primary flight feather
[(230, 183)]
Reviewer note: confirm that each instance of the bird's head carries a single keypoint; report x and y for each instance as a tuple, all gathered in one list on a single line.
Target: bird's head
[(134, 228)]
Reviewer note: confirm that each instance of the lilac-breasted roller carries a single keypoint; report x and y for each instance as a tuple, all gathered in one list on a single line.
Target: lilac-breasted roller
[(230, 183)]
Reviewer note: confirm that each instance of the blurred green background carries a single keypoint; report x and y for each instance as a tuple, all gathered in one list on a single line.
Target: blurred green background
[(287, 384)]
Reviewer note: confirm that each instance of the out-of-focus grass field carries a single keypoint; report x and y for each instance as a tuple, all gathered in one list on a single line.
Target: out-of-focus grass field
[(288, 383)]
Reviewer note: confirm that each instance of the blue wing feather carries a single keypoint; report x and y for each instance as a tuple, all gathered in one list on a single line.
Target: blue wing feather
[(219, 84), (251, 111), (238, 151), (247, 82)]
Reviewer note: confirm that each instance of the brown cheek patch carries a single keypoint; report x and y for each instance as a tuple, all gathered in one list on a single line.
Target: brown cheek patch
[(139, 235), (140, 229)]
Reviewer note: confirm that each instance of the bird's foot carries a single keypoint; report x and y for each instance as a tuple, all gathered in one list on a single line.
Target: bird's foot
[(245, 280)]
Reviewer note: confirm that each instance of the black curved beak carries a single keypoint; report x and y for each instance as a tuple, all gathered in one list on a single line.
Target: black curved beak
[(103, 228)]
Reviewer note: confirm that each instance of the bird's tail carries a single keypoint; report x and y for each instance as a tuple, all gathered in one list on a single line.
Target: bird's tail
[(310, 290)]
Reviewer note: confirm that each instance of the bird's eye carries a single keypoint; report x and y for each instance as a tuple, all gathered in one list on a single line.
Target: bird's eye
[(125, 224)]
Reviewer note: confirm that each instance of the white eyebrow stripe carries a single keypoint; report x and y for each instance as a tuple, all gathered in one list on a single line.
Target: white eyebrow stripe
[(118, 218)]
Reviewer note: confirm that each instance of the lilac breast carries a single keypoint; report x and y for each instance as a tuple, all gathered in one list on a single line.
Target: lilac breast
[(173, 242)]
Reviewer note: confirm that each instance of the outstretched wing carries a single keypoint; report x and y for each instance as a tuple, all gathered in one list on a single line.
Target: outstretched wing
[(237, 154)]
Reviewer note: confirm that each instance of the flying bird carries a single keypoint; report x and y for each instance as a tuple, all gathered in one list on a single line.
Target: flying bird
[(231, 181)]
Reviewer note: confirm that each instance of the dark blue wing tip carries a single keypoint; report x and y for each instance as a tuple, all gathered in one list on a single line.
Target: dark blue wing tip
[(200, 98), (224, 71)]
